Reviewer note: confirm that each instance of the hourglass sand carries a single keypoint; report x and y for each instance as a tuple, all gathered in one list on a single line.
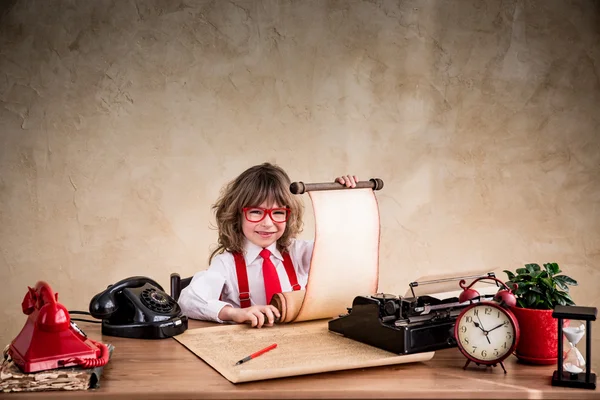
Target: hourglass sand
[(573, 360)]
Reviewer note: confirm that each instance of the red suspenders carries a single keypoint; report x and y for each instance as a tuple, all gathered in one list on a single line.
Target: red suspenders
[(242, 276), (291, 272)]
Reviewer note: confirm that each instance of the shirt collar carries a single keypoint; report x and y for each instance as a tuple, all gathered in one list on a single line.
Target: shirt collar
[(252, 251)]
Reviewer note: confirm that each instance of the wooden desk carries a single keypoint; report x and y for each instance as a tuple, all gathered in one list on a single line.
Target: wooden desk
[(148, 369)]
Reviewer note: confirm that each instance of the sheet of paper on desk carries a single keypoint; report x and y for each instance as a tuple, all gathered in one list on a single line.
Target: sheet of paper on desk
[(345, 260), (302, 348)]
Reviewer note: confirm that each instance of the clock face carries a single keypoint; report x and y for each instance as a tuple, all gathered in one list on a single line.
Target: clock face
[(486, 333)]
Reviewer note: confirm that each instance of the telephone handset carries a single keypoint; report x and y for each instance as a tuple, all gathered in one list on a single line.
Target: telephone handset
[(138, 307), (50, 339)]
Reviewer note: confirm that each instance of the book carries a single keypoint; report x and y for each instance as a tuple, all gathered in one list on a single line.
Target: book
[(12, 379)]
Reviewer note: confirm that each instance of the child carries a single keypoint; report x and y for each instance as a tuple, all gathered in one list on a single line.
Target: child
[(255, 212)]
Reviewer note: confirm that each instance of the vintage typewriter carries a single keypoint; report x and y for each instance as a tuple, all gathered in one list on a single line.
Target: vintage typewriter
[(409, 324)]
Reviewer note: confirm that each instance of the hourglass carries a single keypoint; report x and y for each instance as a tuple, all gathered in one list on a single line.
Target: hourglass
[(574, 370)]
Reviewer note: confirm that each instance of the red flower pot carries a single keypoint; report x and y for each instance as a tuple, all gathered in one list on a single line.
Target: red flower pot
[(538, 343)]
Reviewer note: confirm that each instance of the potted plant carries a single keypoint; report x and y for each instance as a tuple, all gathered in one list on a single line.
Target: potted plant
[(538, 292)]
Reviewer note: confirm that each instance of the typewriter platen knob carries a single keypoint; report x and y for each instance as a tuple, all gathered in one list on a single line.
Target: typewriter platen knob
[(391, 307)]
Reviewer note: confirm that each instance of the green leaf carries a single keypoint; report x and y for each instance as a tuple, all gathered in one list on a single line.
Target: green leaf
[(510, 275), (547, 282), (523, 278), (536, 274), (533, 266), (565, 280), (545, 305), (535, 289), (531, 298), (569, 302), (541, 304), (564, 295), (522, 271), (552, 268), (563, 298), (561, 284), (522, 290)]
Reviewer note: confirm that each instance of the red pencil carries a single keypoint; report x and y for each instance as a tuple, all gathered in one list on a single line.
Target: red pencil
[(258, 353)]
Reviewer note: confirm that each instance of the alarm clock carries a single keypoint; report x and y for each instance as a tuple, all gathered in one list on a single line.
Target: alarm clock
[(486, 332)]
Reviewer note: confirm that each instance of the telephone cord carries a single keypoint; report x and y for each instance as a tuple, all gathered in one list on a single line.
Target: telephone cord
[(90, 362), (76, 312)]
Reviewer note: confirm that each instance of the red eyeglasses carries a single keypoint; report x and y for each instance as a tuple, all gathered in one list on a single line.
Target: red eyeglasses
[(257, 214)]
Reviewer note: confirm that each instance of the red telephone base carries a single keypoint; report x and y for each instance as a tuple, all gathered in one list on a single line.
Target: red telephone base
[(48, 340), (35, 350)]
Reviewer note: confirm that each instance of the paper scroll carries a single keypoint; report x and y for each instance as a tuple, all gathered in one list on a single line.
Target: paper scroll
[(344, 264), (345, 260)]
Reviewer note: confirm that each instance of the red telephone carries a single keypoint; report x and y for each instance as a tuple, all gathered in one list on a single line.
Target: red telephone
[(49, 339)]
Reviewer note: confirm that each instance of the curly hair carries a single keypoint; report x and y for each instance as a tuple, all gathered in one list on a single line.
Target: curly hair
[(264, 182)]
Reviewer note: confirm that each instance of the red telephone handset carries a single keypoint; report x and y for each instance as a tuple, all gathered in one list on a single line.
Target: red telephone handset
[(49, 340)]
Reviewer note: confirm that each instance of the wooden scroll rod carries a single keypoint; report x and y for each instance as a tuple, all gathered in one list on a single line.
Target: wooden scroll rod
[(301, 187)]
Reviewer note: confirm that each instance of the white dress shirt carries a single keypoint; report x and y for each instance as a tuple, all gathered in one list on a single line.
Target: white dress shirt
[(200, 299)]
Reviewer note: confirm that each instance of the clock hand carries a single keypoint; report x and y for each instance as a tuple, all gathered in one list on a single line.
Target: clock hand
[(480, 323), (483, 330), (496, 327)]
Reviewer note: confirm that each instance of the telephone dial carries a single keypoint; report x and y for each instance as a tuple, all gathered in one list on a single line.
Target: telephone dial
[(138, 307), (50, 339)]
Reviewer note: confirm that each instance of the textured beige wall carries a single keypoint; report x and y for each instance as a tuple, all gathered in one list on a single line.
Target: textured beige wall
[(121, 120)]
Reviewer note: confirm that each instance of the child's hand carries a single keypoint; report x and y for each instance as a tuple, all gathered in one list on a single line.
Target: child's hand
[(348, 180), (257, 316)]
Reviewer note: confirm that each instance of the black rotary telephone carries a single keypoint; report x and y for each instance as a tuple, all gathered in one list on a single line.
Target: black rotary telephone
[(138, 307)]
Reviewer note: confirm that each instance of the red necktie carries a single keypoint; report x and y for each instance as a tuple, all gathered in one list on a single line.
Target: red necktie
[(272, 285)]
